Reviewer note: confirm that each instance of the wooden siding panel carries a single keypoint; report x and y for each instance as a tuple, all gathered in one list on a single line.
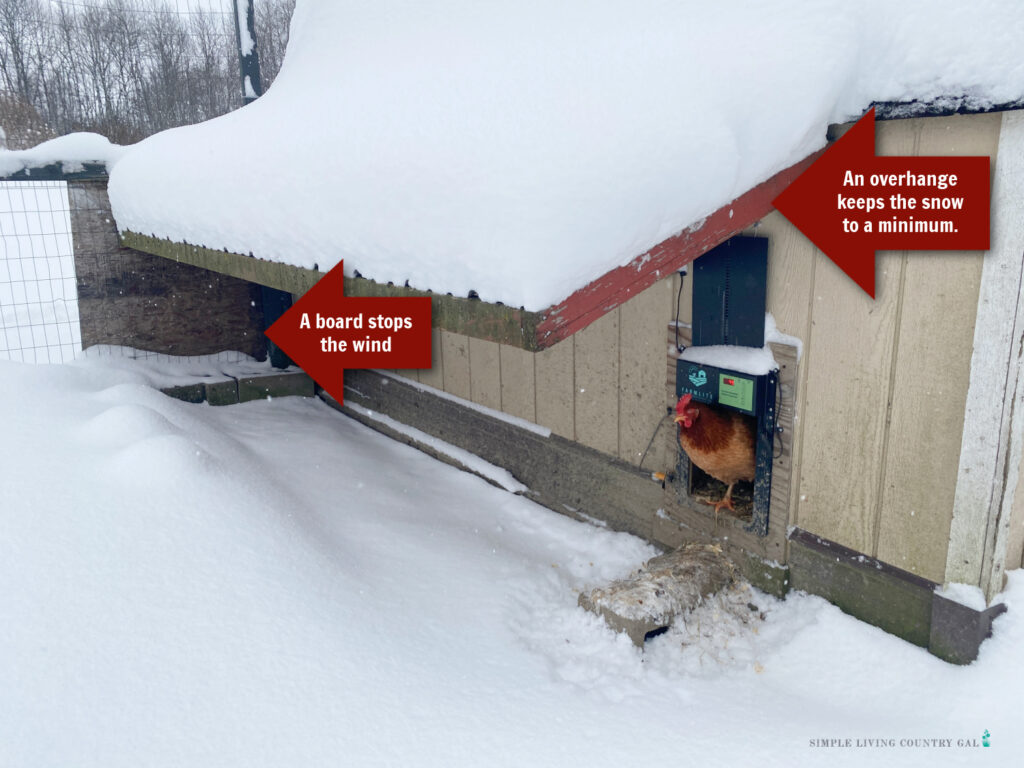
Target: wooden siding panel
[(455, 350), (849, 366), (518, 389), (485, 373), (928, 401), (791, 259), (642, 403), (554, 372), (936, 333), (849, 375), (434, 376), (596, 392)]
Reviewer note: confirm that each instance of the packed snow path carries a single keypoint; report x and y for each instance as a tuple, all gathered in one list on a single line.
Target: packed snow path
[(274, 584)]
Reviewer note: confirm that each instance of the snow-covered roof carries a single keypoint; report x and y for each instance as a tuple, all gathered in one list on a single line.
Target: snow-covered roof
[(72, 152), (522, 149)]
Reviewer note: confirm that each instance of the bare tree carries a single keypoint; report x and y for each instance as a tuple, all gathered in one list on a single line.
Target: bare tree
[(273, 20), (213, 88), (23, 34), (129, 68), (21, 125)]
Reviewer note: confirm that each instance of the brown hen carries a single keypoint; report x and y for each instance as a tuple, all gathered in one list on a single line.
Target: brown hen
[(719, 441)]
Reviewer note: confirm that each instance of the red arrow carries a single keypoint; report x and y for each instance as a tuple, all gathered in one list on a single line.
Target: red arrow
[(851, 203), (325, 332)]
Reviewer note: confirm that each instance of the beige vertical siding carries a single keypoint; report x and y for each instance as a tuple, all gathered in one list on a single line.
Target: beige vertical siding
[(929, 392), (518, 389), (882, 412), (791, 262), (604, 387), (485, 373), (930, 377), (597, 384), (642, 404), (434, 376), (455, 351), (555, 389), (849, 359)]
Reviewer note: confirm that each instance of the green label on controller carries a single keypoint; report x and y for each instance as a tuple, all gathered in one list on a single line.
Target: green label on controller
[(736, 391)]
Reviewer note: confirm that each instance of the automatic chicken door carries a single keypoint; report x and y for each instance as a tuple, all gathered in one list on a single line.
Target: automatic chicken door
[(729, 300), (751, 395)]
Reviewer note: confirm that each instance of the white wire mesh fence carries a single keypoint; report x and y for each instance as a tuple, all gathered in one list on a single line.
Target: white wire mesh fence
[(39, 319), (41, 310), (184, 59)]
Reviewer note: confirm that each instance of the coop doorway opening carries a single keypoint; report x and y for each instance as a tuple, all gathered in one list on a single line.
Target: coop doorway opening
[(725, 389)]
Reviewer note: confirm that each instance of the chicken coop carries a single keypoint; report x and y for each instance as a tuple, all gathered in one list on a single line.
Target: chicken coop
[(886, 442)]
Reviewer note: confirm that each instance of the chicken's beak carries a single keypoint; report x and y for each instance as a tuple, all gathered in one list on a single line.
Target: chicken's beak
[(679, 418)]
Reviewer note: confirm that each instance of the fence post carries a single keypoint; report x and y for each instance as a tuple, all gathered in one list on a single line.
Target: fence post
[(248, 55)]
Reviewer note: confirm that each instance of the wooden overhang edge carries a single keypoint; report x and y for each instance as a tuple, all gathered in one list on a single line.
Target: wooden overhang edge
[(619, 285), (495, 322)]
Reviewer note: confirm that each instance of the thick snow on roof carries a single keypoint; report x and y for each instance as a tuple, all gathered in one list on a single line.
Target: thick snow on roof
[(523, 148), (72, 150)]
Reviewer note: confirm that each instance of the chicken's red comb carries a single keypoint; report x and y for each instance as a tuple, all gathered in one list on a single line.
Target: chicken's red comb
[(683, 402)]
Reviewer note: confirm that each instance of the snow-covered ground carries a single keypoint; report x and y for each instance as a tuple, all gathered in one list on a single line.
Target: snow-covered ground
[(273, 584)]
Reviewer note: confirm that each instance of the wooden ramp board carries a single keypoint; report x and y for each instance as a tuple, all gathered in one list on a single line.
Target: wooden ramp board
[(663, 588)]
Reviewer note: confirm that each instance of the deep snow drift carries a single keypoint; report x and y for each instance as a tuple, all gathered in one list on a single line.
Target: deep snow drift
[(274, 584), (523, 148)]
